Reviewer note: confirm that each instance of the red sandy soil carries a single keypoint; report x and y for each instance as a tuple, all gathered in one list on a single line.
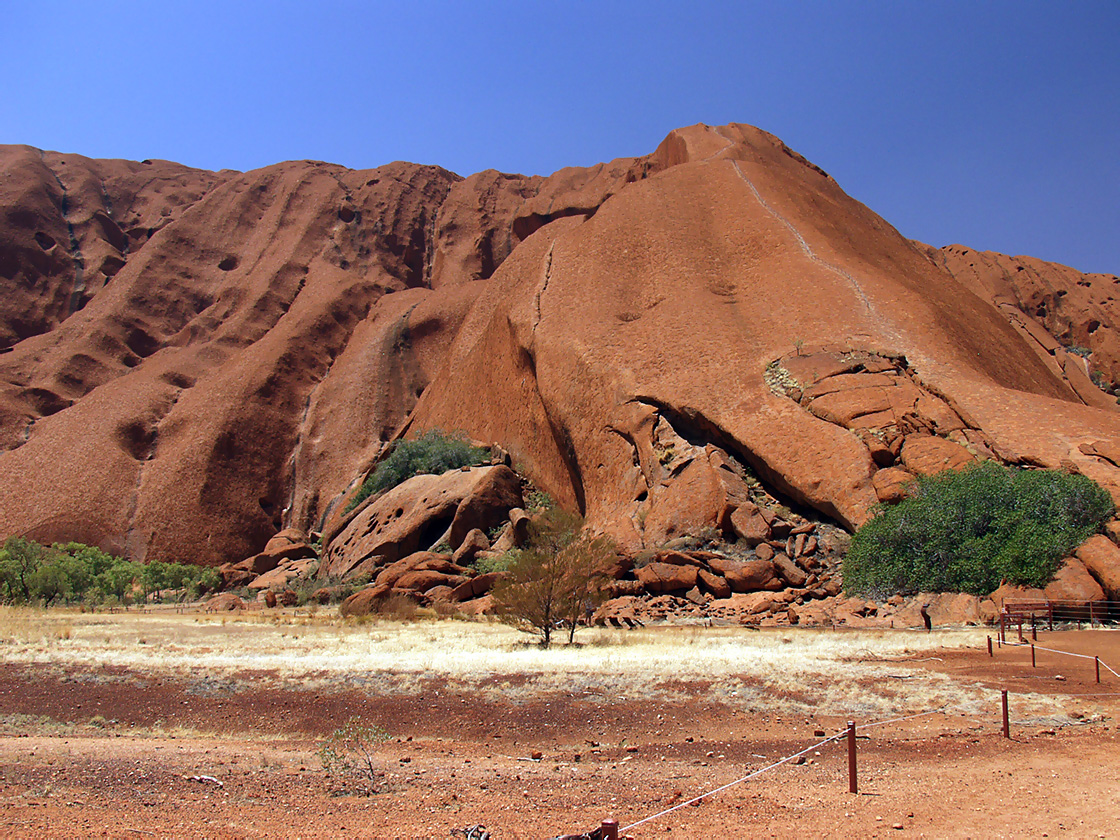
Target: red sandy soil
[(457, 761)]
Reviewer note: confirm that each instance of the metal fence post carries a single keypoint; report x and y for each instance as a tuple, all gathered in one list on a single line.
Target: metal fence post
[(853, 787), (1006, 722), (1097, 663)]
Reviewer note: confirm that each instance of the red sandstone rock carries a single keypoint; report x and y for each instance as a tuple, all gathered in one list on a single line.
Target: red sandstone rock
[(925, 455), (254, 355), (421, 561), (476, 586), (664, 577), (364, 601), (750, 576), (224, 602), (1074, 583), (416, 514), (1102, 559), (285, 539), (474, 542), (715, 584), (789, 571), (421, 580), (891, 484)]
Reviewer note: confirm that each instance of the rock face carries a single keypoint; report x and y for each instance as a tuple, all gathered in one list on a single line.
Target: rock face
[(193, 362), (1068, 318)]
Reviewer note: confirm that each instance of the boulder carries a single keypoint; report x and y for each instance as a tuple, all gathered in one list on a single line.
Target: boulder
[(715, 584), (421, 580), (624, 588), (441, 593), (1073, 582), (789, 571), (892, 484), (326, 594), (477, 606), (474, 542), (235, 576), (281, 575), (624, 611), (928, 455), (364, 601), (1102, 558), (749, 576), (475, 587), (677, 558), (416, 514), (427, 561), (284, 539), (519, 522), (750, 526), (224, 602), (287, 598), (491, 497), (946, 609), (664, 577)]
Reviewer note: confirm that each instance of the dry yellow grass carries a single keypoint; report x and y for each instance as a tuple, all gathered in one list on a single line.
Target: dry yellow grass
[(792, 670)]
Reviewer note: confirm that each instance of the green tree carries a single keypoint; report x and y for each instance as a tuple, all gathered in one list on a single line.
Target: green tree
[(19, 560), (553, 581), (117, 581), (967, 531)]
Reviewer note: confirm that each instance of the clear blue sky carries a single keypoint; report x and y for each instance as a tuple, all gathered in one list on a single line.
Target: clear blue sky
[(992, 124)]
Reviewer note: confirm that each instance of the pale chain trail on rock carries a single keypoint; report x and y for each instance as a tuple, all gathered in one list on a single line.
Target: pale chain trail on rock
[(806, 249)]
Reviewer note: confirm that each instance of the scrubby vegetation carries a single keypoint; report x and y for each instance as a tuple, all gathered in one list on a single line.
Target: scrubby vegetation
[(349, 756), (553, 580), (73, 573), (968, 531), (434, 452)]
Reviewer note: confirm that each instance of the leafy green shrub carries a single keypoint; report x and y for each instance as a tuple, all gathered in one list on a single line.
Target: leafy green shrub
[(968, 531), (433, 452)]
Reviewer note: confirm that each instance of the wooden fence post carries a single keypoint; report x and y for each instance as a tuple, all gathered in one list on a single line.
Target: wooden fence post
[(853, 787), (1006, 722), (610, 829)]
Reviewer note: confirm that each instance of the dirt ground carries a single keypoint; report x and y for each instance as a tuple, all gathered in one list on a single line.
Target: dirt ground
[(113, 752)]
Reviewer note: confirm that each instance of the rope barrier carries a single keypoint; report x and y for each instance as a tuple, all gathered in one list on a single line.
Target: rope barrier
[(1104, 664), (1050, 650), (940, 710), (737, 781), (788, 758)]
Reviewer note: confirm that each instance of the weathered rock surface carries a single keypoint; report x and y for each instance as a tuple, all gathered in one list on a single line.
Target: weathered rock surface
[(417, 514), (1102, 559), (656, 341)]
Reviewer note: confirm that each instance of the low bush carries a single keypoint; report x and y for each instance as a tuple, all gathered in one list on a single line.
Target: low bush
[(969, 531), (432, 453), (349, 757)]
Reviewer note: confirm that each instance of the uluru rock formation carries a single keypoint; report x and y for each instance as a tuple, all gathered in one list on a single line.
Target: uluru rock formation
[(191, 362)]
